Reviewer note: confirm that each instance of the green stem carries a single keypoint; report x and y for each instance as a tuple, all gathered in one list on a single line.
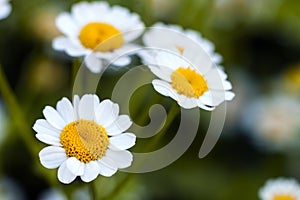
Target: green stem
[(171, 116), (19, 119), (118, 189), (16, 112)]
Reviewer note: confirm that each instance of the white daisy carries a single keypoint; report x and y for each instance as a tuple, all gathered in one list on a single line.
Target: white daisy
[(280, 189), (273, 122), (5, 8), (187, 84), (159, 36), (98, 32), (86, 138)]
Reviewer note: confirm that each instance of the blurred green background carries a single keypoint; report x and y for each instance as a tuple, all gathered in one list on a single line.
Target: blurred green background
[(260, 44)]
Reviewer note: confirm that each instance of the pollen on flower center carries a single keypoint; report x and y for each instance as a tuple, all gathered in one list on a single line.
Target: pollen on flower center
[(188, 82), (283, 197), (85, 140), (101, 37)]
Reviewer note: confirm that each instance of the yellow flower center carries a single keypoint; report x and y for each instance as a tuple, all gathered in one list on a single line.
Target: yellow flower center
[(284, 197), (85, 140), (188, 82), (101, 37)]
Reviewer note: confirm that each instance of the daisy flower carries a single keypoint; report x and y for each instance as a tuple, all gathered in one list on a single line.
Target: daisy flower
[(98, 32), (86, 138), (5, 8), (280, 189), (187, 84), (188, 66), (159, 36), (273, 122)]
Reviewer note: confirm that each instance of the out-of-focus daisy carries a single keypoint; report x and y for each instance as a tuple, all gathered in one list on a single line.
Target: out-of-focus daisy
[(52, 193), (98, 32), (274, 122), (280, 189), (187, 84), (10, 190), (86, 138), (5, 8), (159, 36)]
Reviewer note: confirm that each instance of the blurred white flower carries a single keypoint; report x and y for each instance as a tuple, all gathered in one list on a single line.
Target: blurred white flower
[(98, 32), (52, 194), (10, 190), (158, 36), (86, 138), (280, 189), (274, 122), (5, 8)]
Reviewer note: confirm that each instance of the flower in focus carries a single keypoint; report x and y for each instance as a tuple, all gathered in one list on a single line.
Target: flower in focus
[(159, 36), (187, 84), (280, 189), (5, 8), (274, 122), (86, 138), (98, 32), (189, 67)]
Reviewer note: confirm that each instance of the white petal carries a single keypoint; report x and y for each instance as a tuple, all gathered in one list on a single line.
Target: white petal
[(229, 95), (106, 169), (76, 101), (65, 109), (64, 174), (54, 118), (93, 63), (48, 139), (162, 72), (43, 127), (71, 47), (91, 171), (121, 61), (106, 112), (221, 72), (134, 33), (212, 98), (122, 141), (66, 24), (162, 87), (5, 10), (215, 80), (86, 107), (85, 12), (75, 166), (121, 124), (52, 157), (122, 159), (187, 102)]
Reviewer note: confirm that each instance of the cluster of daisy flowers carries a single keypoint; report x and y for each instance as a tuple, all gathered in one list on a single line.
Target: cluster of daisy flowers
[(87, 137), (280, 189)]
